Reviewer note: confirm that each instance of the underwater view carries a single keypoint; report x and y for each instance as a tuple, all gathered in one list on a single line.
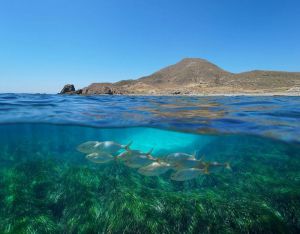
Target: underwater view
[(142, 164)]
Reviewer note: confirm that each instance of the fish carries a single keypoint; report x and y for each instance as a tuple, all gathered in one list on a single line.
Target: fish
[(111, 147), (139, 161), (187, 163), (128, 154), (102, 157), (191, 163), (87, 147), (186, 174), (105, 146), (155, 169), (174, 158)]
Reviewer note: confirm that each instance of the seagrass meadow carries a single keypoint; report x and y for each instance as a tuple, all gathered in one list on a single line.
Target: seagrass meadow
[(46, 186)]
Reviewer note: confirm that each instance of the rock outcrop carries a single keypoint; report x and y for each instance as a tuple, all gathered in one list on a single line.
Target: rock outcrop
[(98, 88), (197, 76), (70, 89), (67, 89)]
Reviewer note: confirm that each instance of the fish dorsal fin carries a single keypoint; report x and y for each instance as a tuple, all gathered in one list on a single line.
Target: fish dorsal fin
[(194, 154)]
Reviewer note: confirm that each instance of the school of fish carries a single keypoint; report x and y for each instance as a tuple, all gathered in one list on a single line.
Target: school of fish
[(185, 166)]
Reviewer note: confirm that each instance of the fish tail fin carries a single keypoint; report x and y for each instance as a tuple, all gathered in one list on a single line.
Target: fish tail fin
[(206, 167), (203, 166), (227, 166), (128, 145)]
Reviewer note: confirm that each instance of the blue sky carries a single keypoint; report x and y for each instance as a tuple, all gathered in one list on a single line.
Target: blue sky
[(46, 44)]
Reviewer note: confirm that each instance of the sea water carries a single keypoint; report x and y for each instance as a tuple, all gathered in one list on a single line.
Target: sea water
[(47, 186)]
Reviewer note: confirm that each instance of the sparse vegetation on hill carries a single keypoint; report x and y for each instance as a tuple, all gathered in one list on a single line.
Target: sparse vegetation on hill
[(198, 76)]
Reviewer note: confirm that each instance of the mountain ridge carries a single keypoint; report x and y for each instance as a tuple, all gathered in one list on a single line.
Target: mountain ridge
[(199, 76)]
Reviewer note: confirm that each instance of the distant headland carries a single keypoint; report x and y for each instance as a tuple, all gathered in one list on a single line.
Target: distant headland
[(193, 76)]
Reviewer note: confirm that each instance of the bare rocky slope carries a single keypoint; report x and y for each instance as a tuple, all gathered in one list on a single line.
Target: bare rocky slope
[(198, 76)]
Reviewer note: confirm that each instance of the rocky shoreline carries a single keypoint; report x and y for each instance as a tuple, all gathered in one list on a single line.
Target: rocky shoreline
[(79, 92)]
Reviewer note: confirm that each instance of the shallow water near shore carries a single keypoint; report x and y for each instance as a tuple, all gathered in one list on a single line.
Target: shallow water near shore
[(46, 186)]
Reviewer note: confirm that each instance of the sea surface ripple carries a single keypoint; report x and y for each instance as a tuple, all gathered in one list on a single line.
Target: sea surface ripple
[(277, 117)]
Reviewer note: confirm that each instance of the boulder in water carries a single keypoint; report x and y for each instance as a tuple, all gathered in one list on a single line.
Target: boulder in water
[(68, 89)]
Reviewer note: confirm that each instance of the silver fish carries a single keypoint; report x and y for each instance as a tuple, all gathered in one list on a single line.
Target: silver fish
[(111, 147), (186, 174), (100, 157), (128, 154), (174, 158), (139, 161), (87, 147), (154, 169), (188, 163)]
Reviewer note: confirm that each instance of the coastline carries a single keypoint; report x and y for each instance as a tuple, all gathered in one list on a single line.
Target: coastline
[(218, 94), (271, 94)]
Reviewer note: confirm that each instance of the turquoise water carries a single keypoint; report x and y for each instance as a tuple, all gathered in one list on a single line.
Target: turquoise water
[(47, 186)]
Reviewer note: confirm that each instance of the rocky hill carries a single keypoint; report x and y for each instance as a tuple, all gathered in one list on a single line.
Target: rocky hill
[(198, 76)]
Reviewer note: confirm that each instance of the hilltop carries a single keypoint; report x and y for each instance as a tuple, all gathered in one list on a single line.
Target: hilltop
[(193, 76)]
